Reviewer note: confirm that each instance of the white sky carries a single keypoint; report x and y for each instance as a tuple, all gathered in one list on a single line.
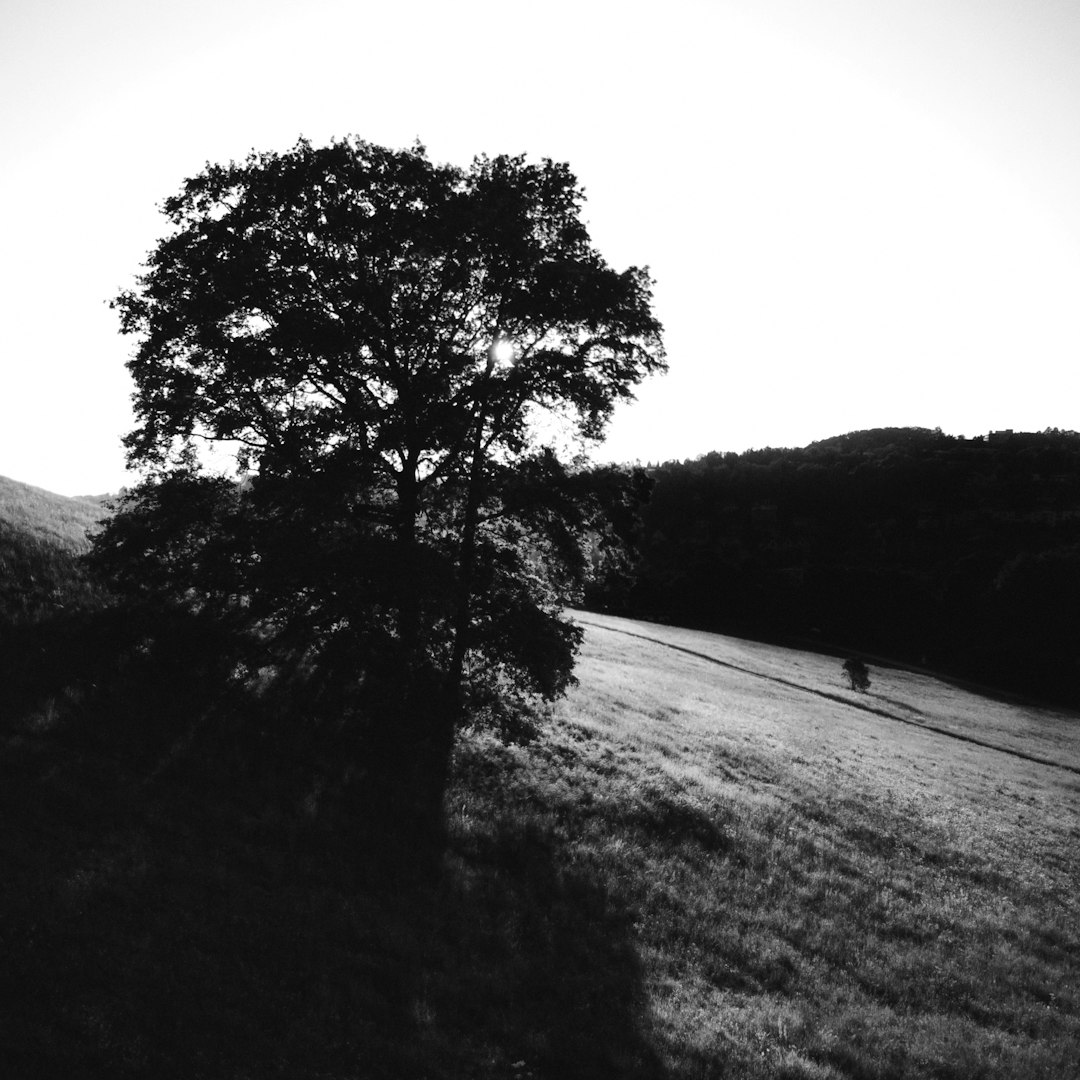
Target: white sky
[(859, 212)]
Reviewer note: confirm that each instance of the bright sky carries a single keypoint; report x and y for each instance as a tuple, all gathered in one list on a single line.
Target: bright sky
[(859, 212)]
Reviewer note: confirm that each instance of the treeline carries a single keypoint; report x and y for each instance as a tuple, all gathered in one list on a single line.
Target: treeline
[(960, 554)]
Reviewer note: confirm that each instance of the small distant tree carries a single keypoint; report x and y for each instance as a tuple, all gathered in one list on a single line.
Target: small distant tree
[(858, 673)]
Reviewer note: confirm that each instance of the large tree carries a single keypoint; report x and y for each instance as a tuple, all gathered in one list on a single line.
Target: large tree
[(378, 338)]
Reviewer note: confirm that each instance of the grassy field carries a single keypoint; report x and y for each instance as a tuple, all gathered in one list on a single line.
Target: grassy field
[(841, 893), (716, 862)]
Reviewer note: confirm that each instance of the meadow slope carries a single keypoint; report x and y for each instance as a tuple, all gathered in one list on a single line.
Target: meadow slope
[(715, 862), (820, 884)]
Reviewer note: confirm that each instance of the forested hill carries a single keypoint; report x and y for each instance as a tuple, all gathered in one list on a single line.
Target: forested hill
[(41, 537), (963, 554)]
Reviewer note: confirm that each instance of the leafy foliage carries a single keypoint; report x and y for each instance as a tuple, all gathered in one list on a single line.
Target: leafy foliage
[(401, 544)]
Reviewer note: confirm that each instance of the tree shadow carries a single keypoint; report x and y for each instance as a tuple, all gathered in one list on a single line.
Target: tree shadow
[(540, 969), (167, 912)]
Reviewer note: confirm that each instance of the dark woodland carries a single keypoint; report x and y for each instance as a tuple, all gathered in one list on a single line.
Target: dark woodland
[(960, 555)]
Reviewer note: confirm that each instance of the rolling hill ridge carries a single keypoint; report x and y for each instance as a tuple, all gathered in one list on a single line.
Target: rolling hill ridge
[(41, 537)]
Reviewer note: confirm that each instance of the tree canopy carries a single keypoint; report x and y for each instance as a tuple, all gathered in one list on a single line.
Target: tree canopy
[(338, 304), (378, 339)]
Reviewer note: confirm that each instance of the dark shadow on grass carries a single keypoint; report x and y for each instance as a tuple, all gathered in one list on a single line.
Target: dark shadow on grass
[(186, 906), (542, 968)]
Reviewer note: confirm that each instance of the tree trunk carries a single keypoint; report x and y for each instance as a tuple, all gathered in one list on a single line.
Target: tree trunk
[(408, 569), (455, 679)]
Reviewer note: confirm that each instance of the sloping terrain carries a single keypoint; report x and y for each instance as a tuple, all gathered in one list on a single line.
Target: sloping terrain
[(1044, 735), (880, 884), (48, 517), (41, 537), (717, 861)]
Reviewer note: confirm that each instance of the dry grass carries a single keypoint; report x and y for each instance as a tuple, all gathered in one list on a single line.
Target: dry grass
[(704, 868), (815, 890)]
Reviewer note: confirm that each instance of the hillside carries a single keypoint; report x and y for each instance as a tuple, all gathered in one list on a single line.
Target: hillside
[(49, 518), (865, 885), (716, 861), (958, 554), (41, 537)]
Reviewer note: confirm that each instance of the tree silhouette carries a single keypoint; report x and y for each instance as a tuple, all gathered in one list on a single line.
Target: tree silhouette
[(858, 673), (374, 336)]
